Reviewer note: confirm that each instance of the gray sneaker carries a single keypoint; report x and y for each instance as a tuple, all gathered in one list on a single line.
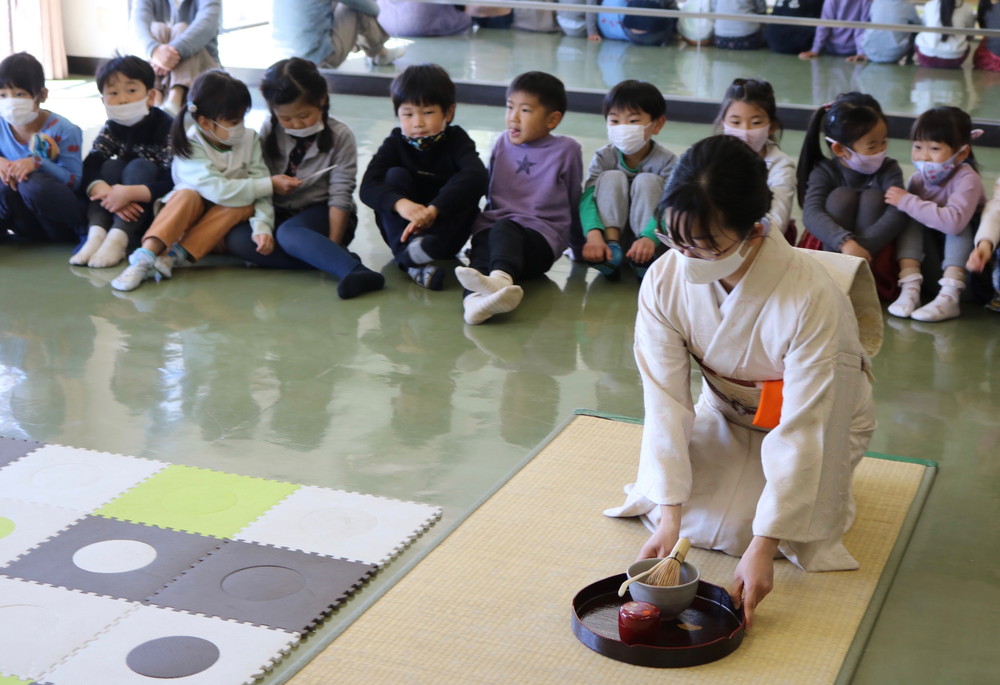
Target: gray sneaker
[(164, 265), (139, 269)]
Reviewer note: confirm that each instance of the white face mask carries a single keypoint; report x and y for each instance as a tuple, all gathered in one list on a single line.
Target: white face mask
[(755, 138), (305, 132), (629, 138), (129, 114), (703, 271), (18, 111), (236, 134), (863, 164)]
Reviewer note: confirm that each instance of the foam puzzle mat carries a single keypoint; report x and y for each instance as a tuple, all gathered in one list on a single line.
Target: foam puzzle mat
[(116, 569)]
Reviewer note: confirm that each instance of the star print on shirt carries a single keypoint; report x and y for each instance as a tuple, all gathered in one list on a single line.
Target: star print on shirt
[(525, 166)]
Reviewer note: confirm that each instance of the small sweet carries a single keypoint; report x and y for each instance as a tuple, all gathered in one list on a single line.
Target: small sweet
[(638, 623)]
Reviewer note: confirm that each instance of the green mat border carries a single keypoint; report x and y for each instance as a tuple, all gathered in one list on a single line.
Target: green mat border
[(892, 562)]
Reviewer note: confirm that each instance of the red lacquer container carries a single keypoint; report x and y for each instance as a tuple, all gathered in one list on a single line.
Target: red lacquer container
[(638, 623)]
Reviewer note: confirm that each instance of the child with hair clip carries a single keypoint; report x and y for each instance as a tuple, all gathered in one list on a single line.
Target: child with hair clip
[(426, 180), (944, 195), (944, 50), (219, 180), (316, 221), (625, 181), (843, 197), (128, 166), (532, 208), (40, 162), (749, 112), (987, 241)]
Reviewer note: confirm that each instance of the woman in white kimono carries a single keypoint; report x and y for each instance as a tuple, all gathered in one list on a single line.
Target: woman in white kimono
[(752, 311)]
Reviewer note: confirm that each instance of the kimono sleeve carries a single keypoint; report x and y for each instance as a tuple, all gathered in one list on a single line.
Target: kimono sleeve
[(664, 364), (807, 458)]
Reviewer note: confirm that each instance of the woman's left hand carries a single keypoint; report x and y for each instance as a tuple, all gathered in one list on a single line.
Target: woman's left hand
[(754, 575), (265, 243)]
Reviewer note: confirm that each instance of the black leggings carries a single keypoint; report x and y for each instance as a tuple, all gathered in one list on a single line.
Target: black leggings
[(509, 246)]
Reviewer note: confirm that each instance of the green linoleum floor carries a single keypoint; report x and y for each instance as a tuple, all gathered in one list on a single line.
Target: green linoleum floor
[(267, 373)]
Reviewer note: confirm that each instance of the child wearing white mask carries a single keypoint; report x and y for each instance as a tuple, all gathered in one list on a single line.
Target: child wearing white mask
[(943, 197), (749, 112), (625, 181), (220, 180), (40, 160), (128, 166), (843, 197)]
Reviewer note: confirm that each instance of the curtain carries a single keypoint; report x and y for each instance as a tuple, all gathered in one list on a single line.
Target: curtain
[(35, 26)]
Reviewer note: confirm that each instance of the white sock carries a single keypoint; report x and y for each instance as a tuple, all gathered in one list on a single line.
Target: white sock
[(480, 307), (111, 251), (472, 280), (909, 298), (95, 236), (945, 306)]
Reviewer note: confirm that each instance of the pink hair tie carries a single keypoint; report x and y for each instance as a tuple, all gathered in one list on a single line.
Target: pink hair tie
[(976, 133)]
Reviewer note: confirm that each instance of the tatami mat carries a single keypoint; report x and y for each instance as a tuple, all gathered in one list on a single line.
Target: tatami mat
[(492, 603)]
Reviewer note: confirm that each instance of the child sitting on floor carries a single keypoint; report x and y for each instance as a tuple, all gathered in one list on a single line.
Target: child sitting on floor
[(531, 208), (128, 166), (39, 158), (625, 181), (426, 180)]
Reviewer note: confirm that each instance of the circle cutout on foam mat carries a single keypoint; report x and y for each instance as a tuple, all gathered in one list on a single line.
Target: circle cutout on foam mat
[(340, 521), (66, 477), (176, 656), (199, 499), (6, 527), (262, 583), (114, 556)]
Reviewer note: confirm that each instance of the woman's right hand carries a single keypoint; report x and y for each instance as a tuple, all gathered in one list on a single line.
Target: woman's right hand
[(284, 185), (667, 532)]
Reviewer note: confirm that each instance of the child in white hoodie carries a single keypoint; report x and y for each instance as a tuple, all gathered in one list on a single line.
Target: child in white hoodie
[(220, 180)]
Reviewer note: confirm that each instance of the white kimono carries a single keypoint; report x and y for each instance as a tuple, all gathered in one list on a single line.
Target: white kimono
[(786, 319)]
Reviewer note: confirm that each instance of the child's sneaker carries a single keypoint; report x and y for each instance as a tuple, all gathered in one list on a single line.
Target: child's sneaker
[(139, 269), (164, 265), (387, 56), (994, 304), (429, 276)]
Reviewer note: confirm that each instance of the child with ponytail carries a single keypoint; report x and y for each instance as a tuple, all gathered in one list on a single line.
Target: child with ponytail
[(942, 197)]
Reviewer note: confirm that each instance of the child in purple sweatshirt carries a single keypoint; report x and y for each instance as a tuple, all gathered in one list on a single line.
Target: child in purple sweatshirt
[(532, 202), (943, 196), (837, 41)]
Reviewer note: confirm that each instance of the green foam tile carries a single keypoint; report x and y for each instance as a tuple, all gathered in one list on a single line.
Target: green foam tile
[(198, 501), (5, 680)]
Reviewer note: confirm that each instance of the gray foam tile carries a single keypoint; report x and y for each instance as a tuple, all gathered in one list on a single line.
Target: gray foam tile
[(111, 557), (265, 585), (12, 449)]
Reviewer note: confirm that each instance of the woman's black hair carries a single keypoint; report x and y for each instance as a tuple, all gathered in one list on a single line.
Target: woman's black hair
[(423, 85), (214, 95), (288, 81), (129, 66), (23, 71), (719, 182), (984, 9), (949, 125), (755, 92), (846, 120), (636, 96)]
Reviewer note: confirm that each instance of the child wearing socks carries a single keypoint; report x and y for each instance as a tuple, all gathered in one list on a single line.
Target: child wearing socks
[(316, 221), (128, 166), (625, 181), (533, 200), (426, 180)]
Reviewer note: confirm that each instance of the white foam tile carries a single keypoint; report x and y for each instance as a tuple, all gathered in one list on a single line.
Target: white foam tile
[(73, 478), (152, 646), (24, 525), (341, 524), (41, 625)]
